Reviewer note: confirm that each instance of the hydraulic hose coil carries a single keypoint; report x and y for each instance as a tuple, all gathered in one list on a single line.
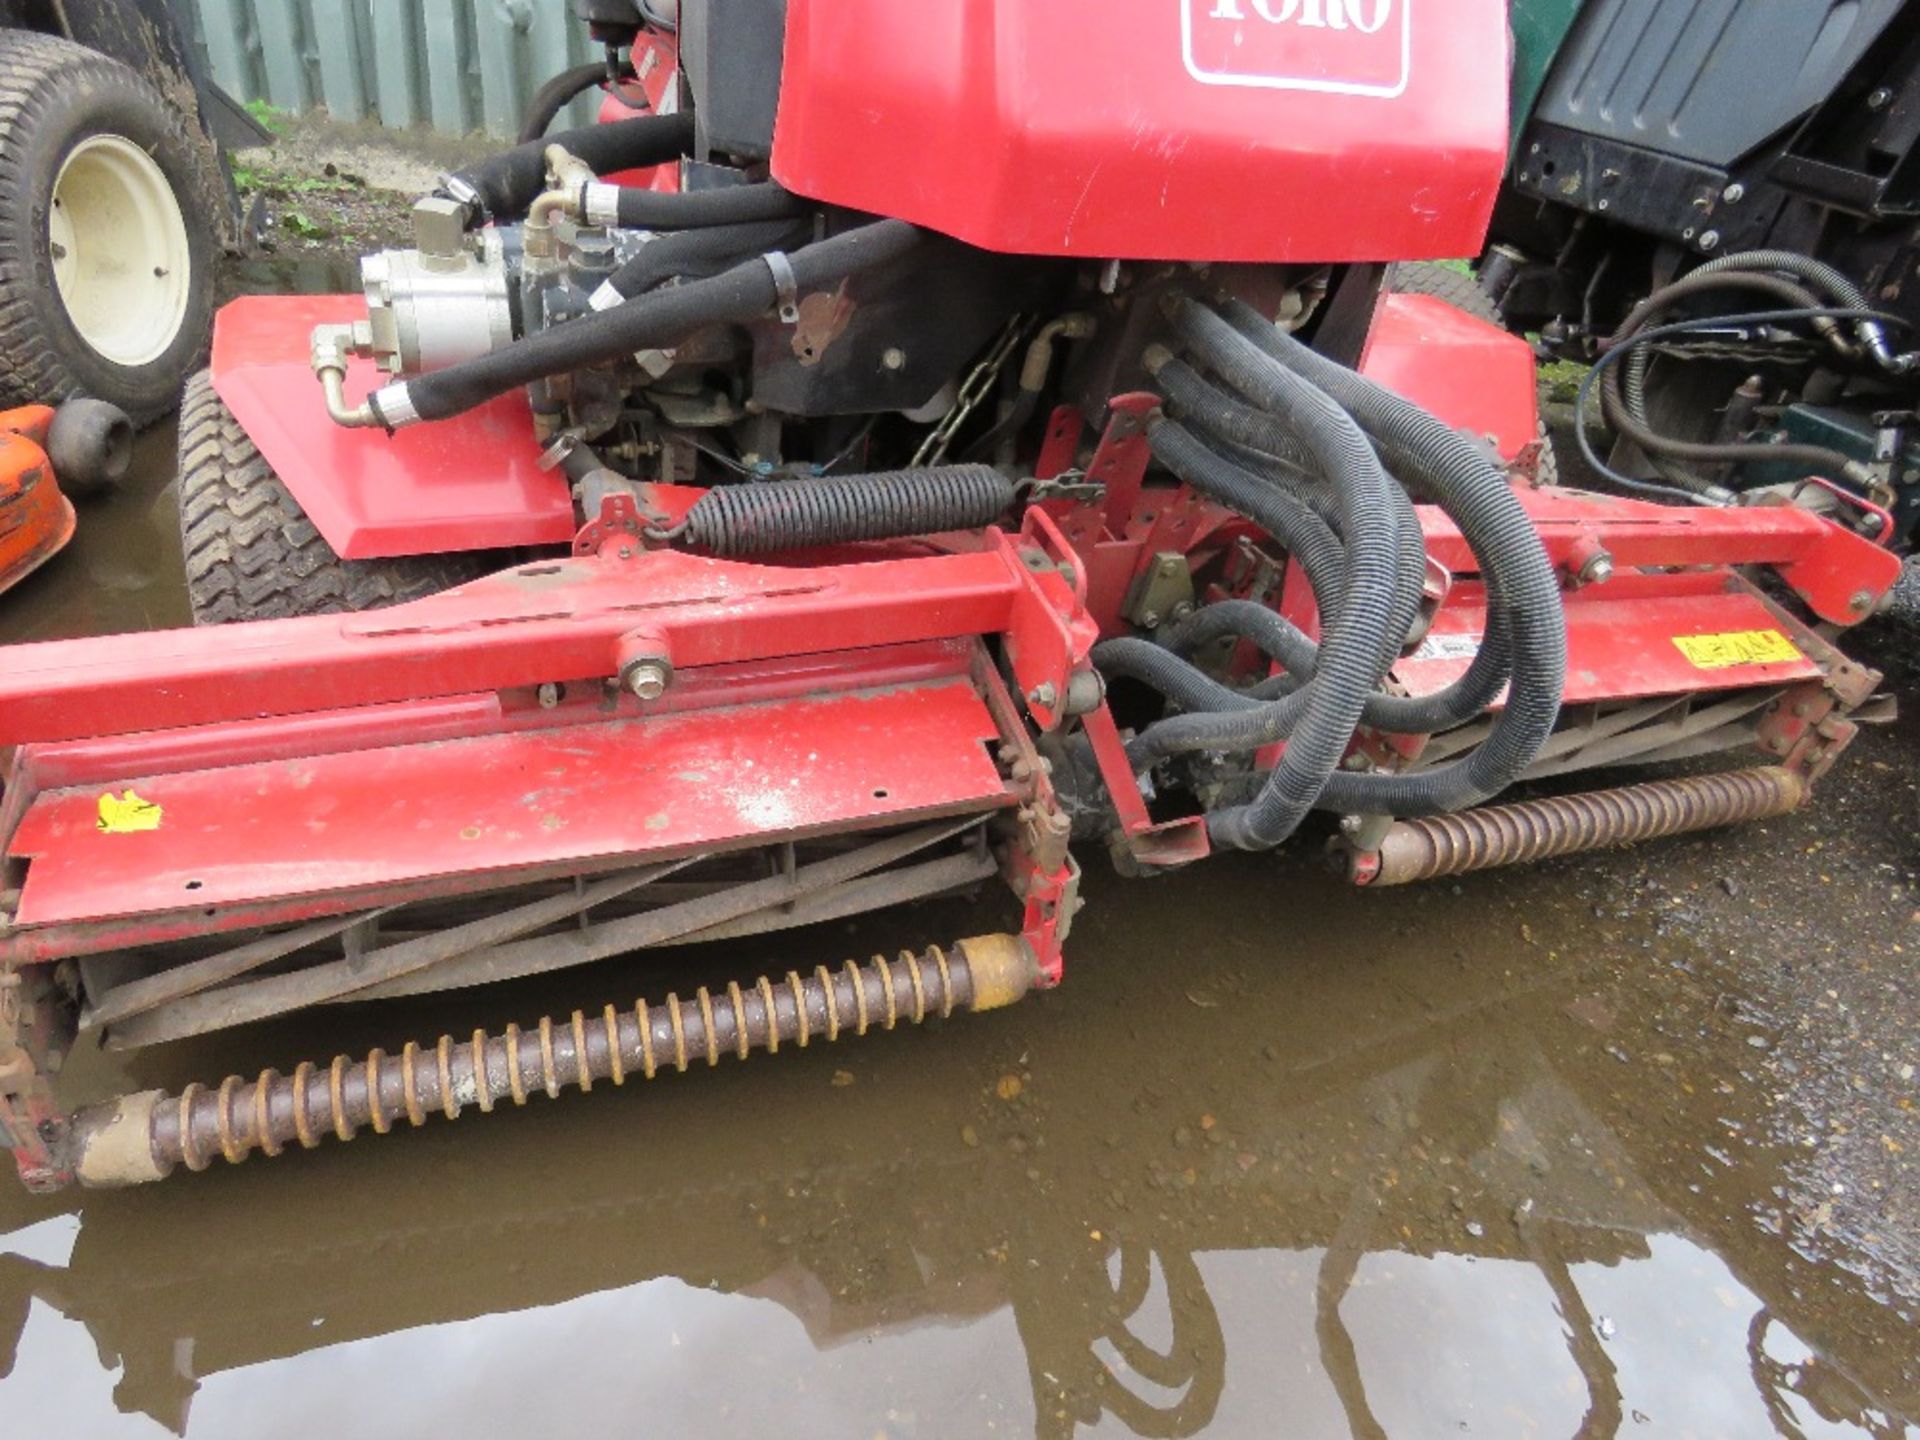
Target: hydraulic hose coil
[(786, 515)]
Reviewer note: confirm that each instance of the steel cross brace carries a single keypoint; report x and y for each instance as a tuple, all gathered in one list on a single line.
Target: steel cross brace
[(589, 618)]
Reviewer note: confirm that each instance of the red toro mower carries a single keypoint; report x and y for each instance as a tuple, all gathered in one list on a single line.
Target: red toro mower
[(968, 430)]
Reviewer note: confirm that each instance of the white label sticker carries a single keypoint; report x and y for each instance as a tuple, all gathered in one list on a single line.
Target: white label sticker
[(1340, 47), (1448, 647)]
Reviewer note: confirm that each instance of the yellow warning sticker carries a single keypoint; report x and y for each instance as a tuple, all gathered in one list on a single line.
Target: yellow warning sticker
[(127, 813), (1741, 647)]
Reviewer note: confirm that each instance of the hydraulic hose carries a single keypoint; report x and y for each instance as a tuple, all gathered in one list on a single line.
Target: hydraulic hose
[(1303, 534), (502, 186), (1456, 704), (1524, 589), (694, 255), (1244, 427), (632, 208), (558, 93), (1352, 654), (1839, 287), (1278, 638), (656, 321), (1620, 415)]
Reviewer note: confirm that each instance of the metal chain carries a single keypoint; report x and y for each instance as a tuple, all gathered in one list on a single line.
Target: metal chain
[(980, 384)]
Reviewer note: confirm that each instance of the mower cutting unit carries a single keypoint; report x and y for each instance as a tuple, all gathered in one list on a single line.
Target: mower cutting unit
[(815, 562)]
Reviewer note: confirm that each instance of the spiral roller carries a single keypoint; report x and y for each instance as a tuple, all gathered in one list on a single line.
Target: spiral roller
[(142, 1137), (1531, 830)]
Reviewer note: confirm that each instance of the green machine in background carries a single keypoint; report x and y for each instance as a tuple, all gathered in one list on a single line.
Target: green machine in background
[(1539, 29), (1658, 138)]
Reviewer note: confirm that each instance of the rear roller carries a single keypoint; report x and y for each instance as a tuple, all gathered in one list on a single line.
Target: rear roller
[(138, 1138)]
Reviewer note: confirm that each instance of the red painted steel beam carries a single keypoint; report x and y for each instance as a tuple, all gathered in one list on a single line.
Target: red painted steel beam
[(1840, 575), (560, 621)]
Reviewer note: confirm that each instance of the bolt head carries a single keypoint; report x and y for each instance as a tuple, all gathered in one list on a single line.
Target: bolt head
[(1710, 240), (647, 679), (894, 358), (1151, 620), (1879, 99), (1860, 602), (1598, 570), (1043, 695), (549, 695), (1734, 193)]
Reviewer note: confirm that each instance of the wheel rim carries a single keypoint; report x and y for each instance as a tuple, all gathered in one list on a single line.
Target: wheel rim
[(119, 246)]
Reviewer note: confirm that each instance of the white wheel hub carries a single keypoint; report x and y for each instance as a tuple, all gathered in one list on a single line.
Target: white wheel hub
[(119, 246)]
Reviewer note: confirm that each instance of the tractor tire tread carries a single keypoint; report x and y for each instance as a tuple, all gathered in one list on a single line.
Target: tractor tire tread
[(32, 369), (252, 553), (1459, 288)]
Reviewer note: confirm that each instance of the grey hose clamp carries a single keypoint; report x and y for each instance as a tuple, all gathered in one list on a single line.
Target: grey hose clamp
[(786, 285)]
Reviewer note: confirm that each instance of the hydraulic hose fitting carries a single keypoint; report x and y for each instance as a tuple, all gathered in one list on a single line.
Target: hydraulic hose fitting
[(332, 346), (566, 197)]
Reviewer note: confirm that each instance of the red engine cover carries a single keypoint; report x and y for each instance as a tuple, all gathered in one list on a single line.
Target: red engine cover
[(1256, 130)]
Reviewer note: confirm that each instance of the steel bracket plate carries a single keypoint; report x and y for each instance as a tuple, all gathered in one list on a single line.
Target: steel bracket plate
[(568, 797)]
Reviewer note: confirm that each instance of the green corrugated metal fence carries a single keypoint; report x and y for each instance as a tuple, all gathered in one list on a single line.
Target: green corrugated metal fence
[(456, 65)]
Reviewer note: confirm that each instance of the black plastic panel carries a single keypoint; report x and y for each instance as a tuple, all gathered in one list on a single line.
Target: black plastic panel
[(731, 51), (1707, 80)]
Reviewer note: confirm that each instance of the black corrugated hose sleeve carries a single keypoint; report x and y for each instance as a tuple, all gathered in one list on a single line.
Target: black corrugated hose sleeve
[(508, 182), (1303, 534), (1480, 500), (1278, 638), (1211, 408), (698, 254), (1134, 658), (659, 320), (1230, 726), (638, 209), (1216, 413), (1353, 652)]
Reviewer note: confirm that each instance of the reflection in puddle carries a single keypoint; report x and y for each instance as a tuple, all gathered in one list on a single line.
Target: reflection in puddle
[(1363, 1196)]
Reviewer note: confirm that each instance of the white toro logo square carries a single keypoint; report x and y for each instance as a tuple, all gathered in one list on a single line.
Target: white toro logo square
[(1342, 47)]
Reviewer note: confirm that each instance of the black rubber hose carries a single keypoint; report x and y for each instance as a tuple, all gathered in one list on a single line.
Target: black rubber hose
[(554, 96), (1241, 425), (698, 254), (1520, 576), (1464, 700), (1353, 652), (661, 319), (1619, 414), (787, 515), (1211, 408), (1303, 534), (1279, 639), (1132, 657), (504, 185), (639, 209)]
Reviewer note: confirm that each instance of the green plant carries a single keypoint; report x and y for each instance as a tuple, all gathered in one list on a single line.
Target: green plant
[(270, 117)]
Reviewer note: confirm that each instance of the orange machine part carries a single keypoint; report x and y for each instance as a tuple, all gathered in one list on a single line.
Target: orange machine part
[(36, 520)]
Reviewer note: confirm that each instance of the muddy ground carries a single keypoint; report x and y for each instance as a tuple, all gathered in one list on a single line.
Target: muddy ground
[(1622, 1144)]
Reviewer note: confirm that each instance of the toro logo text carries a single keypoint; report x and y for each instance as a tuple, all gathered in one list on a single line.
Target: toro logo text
[(1341, 47)]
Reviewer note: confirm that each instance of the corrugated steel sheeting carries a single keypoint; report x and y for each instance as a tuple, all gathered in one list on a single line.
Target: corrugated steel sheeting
[(456, 65)]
